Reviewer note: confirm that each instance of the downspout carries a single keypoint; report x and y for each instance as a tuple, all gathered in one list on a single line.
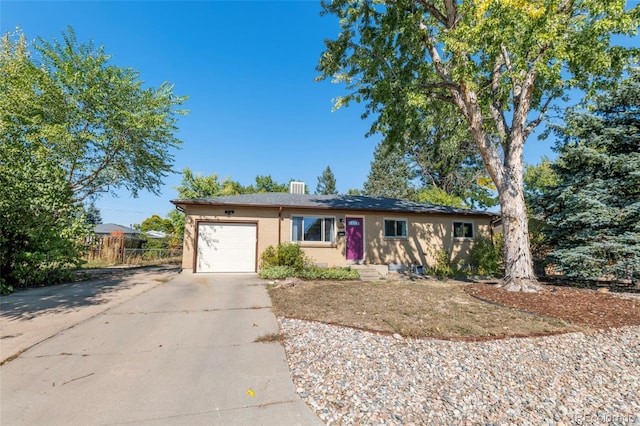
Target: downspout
[(492, 224), (279, 225)]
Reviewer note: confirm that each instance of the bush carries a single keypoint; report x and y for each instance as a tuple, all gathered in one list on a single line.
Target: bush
[(5, 288), (277, 272), (442, 266), (280, 272), (486, 257), (338, 274), (286, 254)]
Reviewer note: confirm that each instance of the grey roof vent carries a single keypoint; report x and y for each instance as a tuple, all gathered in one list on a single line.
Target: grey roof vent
[(296, 187)]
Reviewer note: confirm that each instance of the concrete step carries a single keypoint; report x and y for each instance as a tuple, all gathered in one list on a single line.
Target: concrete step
[(368, 274)]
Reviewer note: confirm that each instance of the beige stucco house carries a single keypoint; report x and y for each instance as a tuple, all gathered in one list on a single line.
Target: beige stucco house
[(228, 233)]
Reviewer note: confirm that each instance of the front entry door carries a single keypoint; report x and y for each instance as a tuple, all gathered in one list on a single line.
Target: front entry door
[(355, 238)]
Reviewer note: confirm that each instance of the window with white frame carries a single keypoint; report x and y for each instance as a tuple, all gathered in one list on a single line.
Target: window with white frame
[(311, 228), (395, 228), (463, 230)]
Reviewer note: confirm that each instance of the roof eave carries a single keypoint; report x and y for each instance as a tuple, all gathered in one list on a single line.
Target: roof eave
[(200, 202)]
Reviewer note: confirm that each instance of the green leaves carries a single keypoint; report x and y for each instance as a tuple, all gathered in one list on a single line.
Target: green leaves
[(97, 120), (499, 63), (72, 126), (200, 186), (40, 224)]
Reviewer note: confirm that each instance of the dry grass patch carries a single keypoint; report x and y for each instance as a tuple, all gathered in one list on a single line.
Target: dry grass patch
[(438, 309), (269, 338)]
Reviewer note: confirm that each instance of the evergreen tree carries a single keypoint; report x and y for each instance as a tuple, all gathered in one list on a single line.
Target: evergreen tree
[(594, 210), (446, 159), (390, 174), (93, 215), (326, 183)]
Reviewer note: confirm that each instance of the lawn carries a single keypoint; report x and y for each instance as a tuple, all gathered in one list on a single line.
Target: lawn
[(443, 309)]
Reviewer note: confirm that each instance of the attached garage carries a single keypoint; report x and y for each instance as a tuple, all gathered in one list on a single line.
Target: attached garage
[(229, 233), (226, 247)]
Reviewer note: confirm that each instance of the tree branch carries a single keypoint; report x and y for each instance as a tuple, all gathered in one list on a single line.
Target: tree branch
[(433, 10), (451, 7), (533, 124), (497, 112), (85, 182)]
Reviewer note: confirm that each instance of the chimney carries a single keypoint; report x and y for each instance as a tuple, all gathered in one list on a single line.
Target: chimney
[(296, 187)]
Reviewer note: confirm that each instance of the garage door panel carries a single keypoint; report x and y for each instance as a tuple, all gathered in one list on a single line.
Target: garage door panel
[(226, 247)]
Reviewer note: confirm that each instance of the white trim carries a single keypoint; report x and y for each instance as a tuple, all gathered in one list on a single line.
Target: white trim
[(303, 242), (473, 229), (395, 219)]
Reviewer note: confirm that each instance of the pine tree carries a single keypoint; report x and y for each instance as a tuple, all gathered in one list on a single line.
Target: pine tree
[(594, 210), (326, 183), (93, 215), (390, 174)]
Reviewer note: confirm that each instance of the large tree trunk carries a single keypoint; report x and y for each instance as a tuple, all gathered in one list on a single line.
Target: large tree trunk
[(519, 272), (507, 172)]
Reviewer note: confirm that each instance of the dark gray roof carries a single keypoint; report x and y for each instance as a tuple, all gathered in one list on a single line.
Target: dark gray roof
[(108, 228), (335, 202)]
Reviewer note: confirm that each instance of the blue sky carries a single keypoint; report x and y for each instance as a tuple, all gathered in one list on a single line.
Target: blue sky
[(248, 69)]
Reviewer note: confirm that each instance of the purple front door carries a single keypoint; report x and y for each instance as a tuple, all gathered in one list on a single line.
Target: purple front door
[(354, 231)]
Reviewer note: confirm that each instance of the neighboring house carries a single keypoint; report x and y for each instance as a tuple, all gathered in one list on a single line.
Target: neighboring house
[(156, 234), (228, 233), (111, 240), (112, 229)]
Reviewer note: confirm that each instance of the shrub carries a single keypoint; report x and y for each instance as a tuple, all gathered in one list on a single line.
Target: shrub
[(486, 257), (5, 288), (277, 272), (336, 273), (286, 254), (442, 266)]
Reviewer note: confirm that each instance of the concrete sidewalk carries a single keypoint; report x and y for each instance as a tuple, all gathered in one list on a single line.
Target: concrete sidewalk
[(180, 352)]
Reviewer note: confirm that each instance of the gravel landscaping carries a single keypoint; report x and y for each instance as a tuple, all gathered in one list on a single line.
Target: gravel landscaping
[(349, 376)]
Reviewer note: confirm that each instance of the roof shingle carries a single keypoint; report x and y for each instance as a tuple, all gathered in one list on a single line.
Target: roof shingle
[(336, 202)]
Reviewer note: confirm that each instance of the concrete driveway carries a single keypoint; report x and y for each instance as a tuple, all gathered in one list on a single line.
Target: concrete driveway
[(176, 353)]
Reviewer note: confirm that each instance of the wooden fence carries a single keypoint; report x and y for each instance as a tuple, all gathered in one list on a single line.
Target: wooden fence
[(109, 247)]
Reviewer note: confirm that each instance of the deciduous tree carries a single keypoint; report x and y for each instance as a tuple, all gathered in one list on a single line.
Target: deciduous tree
[(156, 223), (40, 221), (500, 63), (267, 184), (101, 125)]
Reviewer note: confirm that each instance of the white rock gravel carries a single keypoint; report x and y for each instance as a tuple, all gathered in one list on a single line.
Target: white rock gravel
[(353, 377)]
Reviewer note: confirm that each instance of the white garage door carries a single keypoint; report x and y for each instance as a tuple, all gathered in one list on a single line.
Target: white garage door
[(226, 247)]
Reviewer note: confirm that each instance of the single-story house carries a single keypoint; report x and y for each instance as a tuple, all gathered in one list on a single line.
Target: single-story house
[(112, 229), (228, 233)]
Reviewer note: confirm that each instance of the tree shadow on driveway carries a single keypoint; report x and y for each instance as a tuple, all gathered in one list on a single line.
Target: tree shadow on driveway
[(25, 304)]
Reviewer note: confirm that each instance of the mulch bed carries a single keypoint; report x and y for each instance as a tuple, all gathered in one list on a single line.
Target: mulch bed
[(577, 306)]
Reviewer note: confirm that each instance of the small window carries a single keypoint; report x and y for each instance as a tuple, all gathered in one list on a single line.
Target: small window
[(463, 230), (394, 228), (309, 228)]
